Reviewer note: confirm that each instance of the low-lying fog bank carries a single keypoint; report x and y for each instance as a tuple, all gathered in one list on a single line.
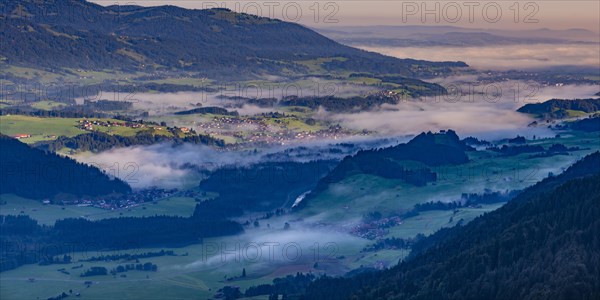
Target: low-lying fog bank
[(503, 57), (485, 111), (169, 166)]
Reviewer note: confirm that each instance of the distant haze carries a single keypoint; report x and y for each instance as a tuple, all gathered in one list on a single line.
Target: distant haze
[(489, 117), (503, 57)]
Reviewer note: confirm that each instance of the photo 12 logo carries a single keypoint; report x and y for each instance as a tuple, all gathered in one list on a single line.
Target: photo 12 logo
[(253, 252), (468, 12), (289, 11)]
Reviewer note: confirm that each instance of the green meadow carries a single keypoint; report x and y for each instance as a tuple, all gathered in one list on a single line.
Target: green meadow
[(48, 214), (39, 128), (43, 129), (197, 272)]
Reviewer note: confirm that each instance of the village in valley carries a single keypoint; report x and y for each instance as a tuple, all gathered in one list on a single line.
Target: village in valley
[(271, 129), (237, 132), (136, 198)]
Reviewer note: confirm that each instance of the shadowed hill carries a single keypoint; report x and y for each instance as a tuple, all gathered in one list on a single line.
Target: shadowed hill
[(409, 162), (589, 124), (33, 173)]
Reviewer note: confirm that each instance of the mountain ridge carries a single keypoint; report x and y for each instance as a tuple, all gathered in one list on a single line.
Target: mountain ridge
[(213, 41)]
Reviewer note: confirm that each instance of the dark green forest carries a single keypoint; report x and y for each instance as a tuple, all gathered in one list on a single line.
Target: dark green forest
[(100, 141), (590, 124), (260, 187), (36, 174), (208, 110), (558, 108), (361, 103)]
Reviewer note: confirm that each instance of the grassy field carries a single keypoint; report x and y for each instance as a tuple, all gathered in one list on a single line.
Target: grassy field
[(167, 283), (200, 273), (43, 129), (87, 77), (365, 80), (47, 105), (315, 65), (31, 73), (429, 222), (196, 273), (293, 123), (139, 285), (71, 75), (39, 128), (48, 214)]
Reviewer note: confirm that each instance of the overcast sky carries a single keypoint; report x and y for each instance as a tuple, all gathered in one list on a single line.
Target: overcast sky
[(496, 14)]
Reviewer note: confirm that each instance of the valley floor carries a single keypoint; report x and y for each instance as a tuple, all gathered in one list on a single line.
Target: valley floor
[(320, 238)]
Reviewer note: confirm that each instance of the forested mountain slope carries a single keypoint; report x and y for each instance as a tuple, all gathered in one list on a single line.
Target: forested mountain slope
[(79, 34), (33, 173), (544, 244)]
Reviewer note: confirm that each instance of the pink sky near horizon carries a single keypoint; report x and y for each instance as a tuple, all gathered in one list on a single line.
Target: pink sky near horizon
[(498, 14)]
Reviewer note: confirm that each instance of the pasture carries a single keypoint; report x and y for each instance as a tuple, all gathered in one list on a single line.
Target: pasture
[(48, 214), (43, 129)]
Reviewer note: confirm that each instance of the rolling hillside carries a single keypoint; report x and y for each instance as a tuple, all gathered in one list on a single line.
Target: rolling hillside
[(77, 34), (541, 245)]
